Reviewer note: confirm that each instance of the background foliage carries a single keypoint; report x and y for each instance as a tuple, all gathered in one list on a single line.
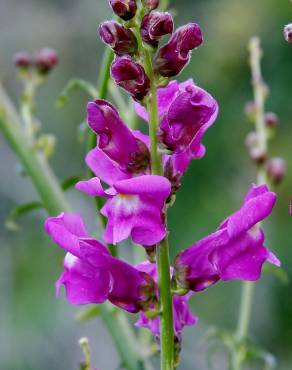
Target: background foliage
[(37, 330)]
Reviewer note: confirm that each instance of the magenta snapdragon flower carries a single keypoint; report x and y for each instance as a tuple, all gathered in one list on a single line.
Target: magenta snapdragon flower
[(91, 274), (134, 206), (115, 139), (235, 251), (182, 315), (185, 113)]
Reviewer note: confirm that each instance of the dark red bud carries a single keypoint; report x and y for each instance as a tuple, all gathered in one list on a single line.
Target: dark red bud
[(155, 25), (288, 33), (271, 119), (45, 60), (254, 149), (125, 9), (131, 77), (276, 169), (22, 59), (151, 4), (174, 56), (119, 38)]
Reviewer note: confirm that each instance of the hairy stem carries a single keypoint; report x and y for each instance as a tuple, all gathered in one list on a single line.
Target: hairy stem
[(163, 264), (248, 288)]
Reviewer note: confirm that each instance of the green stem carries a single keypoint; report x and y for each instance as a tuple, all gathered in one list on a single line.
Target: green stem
[(53, 199), (33, 161), (122, 335), (163, 263), (248, 288)]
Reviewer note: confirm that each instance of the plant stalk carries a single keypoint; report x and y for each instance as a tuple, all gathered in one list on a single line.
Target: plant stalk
[(248, 288), (163, 263)]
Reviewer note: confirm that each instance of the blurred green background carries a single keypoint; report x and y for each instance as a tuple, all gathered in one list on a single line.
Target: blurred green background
[(38, 331)]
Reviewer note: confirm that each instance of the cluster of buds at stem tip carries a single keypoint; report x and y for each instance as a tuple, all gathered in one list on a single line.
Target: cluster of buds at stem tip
[(125, 9), (288, 33), (154, 26), (43, 61), (120, 39), (131, 77), (175, 55)]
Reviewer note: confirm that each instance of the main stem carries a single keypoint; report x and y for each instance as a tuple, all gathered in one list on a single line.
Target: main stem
[(248, 288), (163, 263)]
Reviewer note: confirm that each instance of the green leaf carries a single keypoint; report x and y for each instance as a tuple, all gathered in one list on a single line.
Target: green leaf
[(88, 313), (70, 182), (19, 211)]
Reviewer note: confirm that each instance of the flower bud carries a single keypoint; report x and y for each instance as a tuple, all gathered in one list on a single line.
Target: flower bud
[(22, 60), (276, 170), (173, 57), (131, 77), (154, 26), (271, 119), (254, 149), (119, 38), (45, 59), (250, 110), (125, 9), (288, 33), (151, 4)]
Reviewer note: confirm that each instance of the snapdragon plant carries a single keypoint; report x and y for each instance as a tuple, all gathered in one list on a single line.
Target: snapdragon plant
[(134, 178)]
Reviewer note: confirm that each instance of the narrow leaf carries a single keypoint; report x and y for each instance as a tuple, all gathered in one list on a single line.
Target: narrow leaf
[(19, 211)]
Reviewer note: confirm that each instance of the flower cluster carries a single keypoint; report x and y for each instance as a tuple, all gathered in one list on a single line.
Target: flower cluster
[(136, 199), (43, 61)]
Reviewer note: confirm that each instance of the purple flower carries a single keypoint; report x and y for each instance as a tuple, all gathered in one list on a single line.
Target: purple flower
[(134, 206), (175, 55), (120, 39), (91, 274), (131, 77), (115, 139), (155, 25), (125, 9), (182, 315), (235, 251), (185, 113)]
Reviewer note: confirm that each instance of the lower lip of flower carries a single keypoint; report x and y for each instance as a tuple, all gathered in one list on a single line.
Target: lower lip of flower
[(126, 203)]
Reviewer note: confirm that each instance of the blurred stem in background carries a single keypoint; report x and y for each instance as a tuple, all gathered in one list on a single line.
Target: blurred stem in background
[(53, 199), (248, 288)]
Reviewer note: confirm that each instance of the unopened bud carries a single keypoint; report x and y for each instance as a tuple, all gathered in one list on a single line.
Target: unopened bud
[(254, 149), (125, 9), (155, 25), (22, 60), (271, 119), (120, 39), (175, 55), (276, 169), (288, 33), (45, 60), (131, 77)]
